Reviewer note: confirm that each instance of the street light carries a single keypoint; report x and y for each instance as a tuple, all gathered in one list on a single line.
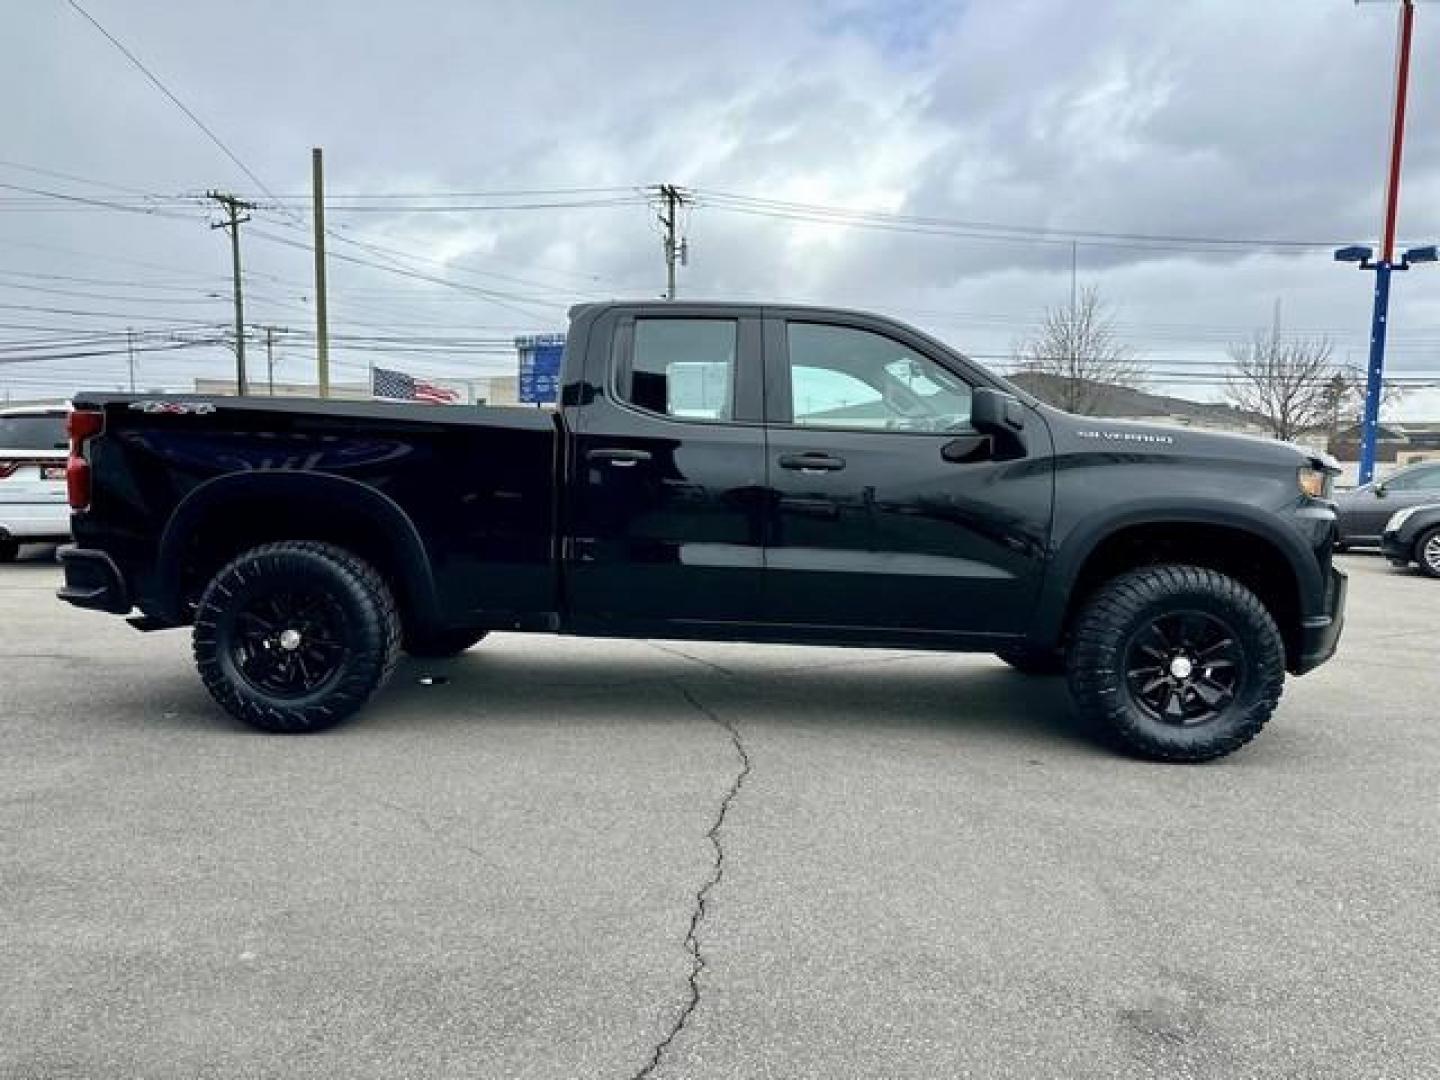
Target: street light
[(1387, 263), (1356, 253)]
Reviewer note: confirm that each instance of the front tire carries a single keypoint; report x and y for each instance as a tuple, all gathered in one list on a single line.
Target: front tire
[(294, 637), (1427, 552), (1176, 663)]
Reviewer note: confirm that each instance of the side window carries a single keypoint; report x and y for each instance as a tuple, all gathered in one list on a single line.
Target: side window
[(683, 368), (1427, 479), (842, 377)]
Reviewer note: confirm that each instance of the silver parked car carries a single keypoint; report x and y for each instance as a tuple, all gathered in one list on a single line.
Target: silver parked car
[(1365, 510), (33, 504)]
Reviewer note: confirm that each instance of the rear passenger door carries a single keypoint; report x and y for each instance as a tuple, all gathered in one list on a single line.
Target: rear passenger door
[(892, 514), (667, 472)]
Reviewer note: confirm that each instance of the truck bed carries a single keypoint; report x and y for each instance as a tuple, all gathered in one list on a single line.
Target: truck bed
[(474, 488)]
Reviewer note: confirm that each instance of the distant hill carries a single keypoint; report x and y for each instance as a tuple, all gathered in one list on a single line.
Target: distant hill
[(1123, 403)]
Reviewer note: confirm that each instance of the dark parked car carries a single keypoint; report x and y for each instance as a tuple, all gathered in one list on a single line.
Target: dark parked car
[(1413, 535), (717, 471), (1365, 510)]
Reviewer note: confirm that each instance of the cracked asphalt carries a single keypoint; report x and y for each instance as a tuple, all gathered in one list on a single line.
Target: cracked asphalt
[(674, 860)]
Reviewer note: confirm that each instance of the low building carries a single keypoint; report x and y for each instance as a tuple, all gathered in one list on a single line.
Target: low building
[(1399, 443), (486, 390)]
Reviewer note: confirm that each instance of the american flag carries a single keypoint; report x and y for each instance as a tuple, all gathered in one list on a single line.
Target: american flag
[(387, 385)]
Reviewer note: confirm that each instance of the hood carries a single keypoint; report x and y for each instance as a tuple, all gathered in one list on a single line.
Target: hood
[(1099, 432)]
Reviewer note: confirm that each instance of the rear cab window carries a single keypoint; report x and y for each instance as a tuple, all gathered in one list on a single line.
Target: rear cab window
[(36, 432), (681, 368)]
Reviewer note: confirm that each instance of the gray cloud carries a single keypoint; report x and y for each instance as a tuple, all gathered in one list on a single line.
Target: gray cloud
[(1226, 118)]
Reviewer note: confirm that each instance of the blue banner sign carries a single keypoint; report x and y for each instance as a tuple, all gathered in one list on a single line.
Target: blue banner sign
[(540, 358)]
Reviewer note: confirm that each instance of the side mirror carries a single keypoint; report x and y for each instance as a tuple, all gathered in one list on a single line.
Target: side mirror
[(1379, 489), (994, 412)]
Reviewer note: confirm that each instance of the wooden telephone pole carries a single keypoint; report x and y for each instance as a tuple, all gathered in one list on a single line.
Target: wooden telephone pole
[(234, 207), (673, 199), (322, 323)]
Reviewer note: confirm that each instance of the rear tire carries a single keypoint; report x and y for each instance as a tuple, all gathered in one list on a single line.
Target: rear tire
[(441, 644), (1176, 663), (1030, 661), (294, 637), (1427, 552)]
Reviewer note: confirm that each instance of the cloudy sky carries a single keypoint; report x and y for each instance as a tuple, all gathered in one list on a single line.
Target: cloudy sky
[(840, 151)]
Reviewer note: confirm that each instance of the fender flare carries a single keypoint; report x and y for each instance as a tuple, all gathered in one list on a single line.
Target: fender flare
[(310, 488), (1070, 557)]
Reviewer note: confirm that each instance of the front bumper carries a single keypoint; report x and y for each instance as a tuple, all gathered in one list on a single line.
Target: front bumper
[(92, 580), (1398, 551), (1320, 634)]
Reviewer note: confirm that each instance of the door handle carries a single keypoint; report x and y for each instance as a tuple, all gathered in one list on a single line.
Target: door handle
[(620, 457), (812, 461)]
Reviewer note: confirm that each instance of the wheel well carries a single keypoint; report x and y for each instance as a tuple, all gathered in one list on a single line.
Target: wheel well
[(236, 524), (1247, 557)]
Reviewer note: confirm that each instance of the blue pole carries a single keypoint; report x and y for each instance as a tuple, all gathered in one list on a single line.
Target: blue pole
[(1374, 382)]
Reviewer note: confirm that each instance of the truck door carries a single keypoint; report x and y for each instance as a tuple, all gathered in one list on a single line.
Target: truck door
[(667, 472), (892, 514)]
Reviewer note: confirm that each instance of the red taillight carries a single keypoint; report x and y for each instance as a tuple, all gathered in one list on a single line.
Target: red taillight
[(8, 469), (83, 425)]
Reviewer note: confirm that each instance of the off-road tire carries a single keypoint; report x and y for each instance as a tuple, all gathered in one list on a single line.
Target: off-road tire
[(1030, 661), (1423, 558), (440, 644), (368, 634), (1119, 611)]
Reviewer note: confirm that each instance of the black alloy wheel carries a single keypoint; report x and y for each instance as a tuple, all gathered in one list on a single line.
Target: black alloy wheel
[(1184, 668), (289, 642)]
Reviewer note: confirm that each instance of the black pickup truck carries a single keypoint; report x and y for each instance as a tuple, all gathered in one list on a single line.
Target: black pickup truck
[(716, 471)]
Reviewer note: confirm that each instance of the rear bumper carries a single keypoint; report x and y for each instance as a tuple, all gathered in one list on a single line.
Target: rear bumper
[(93, 581), (35, 521), (1320, 634)]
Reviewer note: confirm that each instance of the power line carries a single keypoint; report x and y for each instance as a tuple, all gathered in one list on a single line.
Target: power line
[(58, 175), (983, 230), (109, 204), (391, 267), (155, 80)]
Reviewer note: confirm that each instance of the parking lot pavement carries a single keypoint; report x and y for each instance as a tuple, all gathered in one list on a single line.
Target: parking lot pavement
[(611, 859)]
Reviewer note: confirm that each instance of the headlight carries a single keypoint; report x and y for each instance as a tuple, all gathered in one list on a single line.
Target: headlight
[(1314, 481), (1398, 519)]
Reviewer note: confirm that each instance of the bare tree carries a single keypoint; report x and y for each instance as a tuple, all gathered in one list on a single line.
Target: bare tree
[(1291, 383), (1080, 354)]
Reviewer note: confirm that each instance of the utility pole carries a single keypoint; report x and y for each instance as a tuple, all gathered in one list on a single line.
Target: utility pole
[(270, 332), (672, 198), (1074, 315), (322, 324), (130, 351), (233, 208)]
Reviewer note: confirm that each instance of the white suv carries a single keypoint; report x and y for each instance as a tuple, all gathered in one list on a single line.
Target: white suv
[(33, 504)]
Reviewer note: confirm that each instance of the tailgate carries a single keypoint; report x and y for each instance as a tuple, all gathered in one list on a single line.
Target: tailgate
[(28, 476)]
